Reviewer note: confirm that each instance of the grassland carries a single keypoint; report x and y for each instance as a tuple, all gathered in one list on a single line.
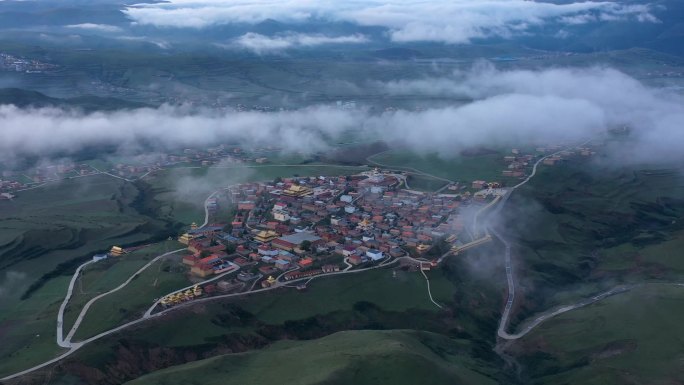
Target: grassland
[(352, 357), (44, 234), (108, 274), (162, 277), (424, 183), (634, 338), (407, 291), (462, 168), (581, 228)]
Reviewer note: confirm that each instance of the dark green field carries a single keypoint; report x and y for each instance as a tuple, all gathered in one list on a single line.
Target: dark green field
[(109, 274), (352, 357), (461, 168), (132, 301)]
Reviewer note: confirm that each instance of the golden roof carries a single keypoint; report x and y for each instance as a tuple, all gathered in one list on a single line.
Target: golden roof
[(297, 188)]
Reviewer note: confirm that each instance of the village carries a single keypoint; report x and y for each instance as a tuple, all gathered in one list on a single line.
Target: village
[(295, 228), (292, 229)]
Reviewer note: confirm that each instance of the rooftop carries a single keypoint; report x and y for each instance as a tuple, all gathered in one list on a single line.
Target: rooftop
[(298, 238)]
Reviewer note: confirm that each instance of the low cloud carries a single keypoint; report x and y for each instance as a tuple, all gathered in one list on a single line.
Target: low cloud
[(448, 21), (57, 130), (95, 27), (557, 105), (263, 44), (191, 189)]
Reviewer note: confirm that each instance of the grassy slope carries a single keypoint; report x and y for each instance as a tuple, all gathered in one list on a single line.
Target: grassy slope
[(41, 229), (108, 274), (408, 291), (580, 229), (461, 168), (129, 303), (405, 292), (583, 228), (358, 357), (634, 338)]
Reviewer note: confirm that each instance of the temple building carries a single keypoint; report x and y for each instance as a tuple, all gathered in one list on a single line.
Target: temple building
[(185, 238), (266, 236), (297, 191)]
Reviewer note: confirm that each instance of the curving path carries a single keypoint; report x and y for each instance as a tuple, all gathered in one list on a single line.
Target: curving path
[(77, 323), (428, 289), (510, 276), (62, 307)]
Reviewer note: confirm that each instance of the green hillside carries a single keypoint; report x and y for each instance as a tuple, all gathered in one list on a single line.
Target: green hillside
[(635, 338), (351, 357)]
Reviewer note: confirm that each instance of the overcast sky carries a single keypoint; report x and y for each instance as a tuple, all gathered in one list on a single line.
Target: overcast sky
[(510, 107), (448, 21)]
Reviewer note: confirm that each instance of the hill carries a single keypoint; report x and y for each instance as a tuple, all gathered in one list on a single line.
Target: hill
[(351, 357), (27, 98), (629, 339)]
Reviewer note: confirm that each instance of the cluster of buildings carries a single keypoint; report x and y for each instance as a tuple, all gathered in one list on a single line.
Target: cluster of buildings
[(302, 227), (516, 163), (13, 63), (209, 256), (181, 296), (567, 154)]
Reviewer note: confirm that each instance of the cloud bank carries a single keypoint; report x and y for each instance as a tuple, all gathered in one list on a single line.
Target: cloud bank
[(556, 105), (263, 44), (448, 21)]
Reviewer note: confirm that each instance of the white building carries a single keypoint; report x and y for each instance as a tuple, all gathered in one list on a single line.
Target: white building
[(377, 189), (280, 215), (346, 198), (374, 255)]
